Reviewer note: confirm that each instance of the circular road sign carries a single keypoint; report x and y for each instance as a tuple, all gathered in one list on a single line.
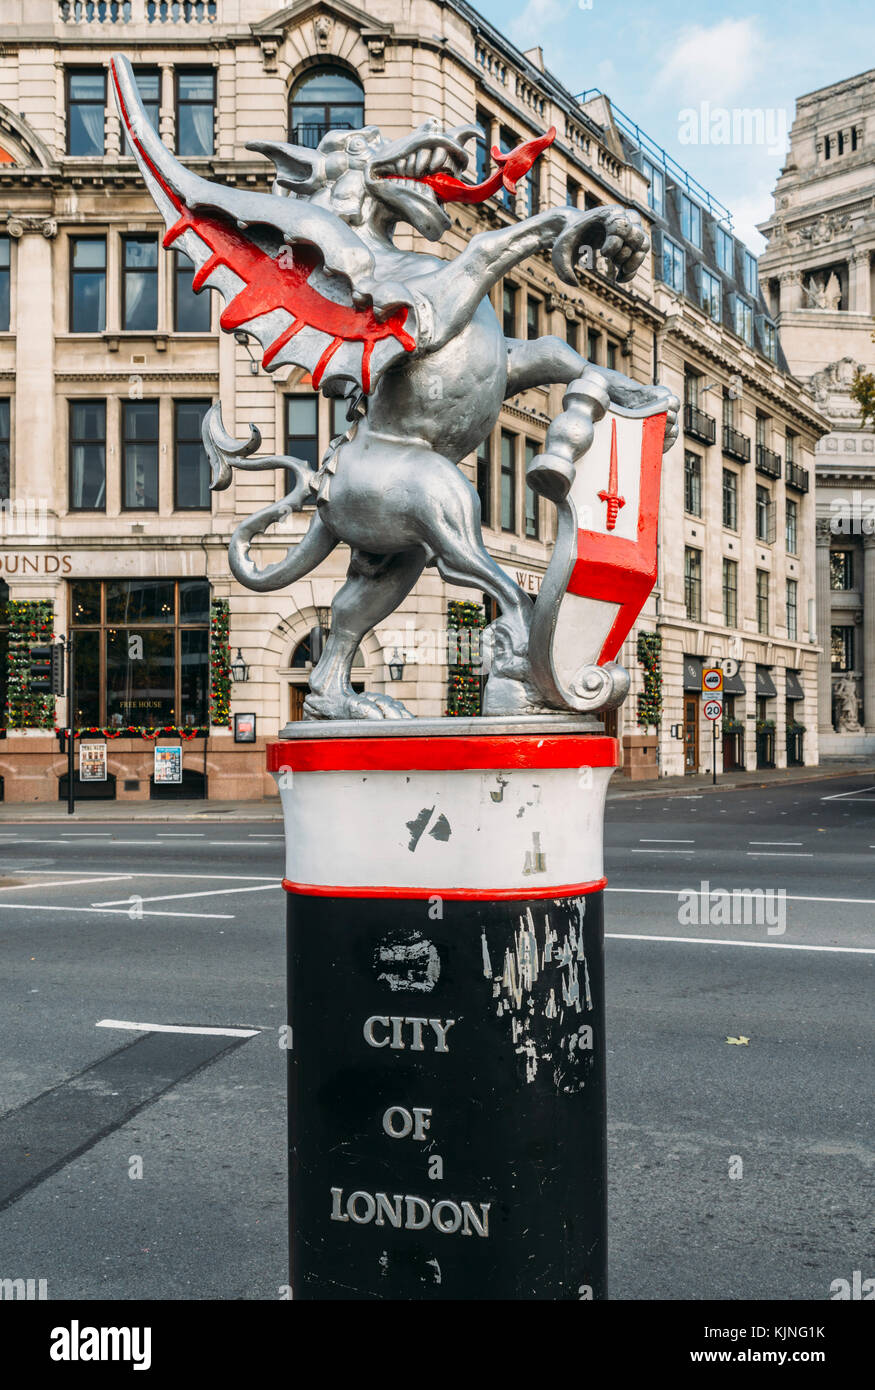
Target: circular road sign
[(713, 709), (712, 678)]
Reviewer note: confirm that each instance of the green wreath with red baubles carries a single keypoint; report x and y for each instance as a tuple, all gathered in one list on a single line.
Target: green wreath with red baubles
[(463, 685)]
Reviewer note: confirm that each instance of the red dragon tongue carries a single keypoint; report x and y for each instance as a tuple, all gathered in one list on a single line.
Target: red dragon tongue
[(514, 166)]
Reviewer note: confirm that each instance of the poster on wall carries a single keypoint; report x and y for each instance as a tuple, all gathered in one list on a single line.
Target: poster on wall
[(244, 728), (92, 762), (168, 764)]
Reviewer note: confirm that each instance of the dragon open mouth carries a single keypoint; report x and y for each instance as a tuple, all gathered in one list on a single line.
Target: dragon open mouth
[(427, 168)]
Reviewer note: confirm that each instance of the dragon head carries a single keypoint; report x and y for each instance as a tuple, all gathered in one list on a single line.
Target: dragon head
[(366, 180)]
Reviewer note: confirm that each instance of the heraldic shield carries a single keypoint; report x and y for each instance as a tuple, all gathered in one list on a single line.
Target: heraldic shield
[(604, 563)]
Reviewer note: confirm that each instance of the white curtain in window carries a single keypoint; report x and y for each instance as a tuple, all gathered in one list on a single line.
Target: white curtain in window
[(203, 126), (92, 120)]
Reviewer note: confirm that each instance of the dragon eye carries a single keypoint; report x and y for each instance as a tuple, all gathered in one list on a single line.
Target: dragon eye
[(356, 145)]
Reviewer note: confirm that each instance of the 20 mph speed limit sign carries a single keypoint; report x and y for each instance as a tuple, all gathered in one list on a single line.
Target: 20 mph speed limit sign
[(712, 709)]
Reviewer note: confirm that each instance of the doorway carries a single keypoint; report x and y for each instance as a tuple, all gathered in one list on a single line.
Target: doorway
[(691, 733)]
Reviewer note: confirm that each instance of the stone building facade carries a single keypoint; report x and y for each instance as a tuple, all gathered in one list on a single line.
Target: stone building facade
[(108, 362), (818, 272)]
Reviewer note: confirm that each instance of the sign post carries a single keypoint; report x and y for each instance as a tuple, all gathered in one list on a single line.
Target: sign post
[(712, 708)]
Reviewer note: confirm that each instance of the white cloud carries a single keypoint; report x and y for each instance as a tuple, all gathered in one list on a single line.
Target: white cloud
[(712, 64), (532, 24), (747, 212)]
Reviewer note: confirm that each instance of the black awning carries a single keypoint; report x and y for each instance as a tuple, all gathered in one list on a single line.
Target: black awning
[(794, 686), (765, 684), (693, 673), (734, 685)]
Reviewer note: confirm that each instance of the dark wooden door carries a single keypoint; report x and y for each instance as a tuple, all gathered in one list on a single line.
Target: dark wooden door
[(691, 733)]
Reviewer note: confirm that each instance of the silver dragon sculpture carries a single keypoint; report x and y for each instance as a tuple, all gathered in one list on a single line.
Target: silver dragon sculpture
[(413, 345)]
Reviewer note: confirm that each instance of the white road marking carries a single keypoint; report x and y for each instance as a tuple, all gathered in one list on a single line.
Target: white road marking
[(780, 854), (653, 840), (114, 911), (661, 851), (86, 835), (64, 882), (760, 945), (204, 893), (177, 1028), (841, 796), (148, 873), (788, 843), (180, 834)]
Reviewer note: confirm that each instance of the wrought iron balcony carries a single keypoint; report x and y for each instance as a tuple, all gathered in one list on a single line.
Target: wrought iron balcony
[(796, 477), (768, 462), (701, 426), (736, 445), (309, 135)]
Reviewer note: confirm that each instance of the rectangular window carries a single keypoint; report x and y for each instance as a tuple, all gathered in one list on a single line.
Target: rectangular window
[(86, 106), (656, 191), (770, 341), (508, 481), (4, 283), (792, 612), (195, 111), (693, 583), (691, 221), (149, 86), (141, 652), (593, 346), (744, 320), (763, 430), (730, 499), (507, 141), (87, 284), (723, 249), (4, 454), (611, 355), (790, 445), (762, 600), (709, 292), (484, 482), (842, 648), (751, 279), (590, 201), (533, 317), (87, 456), (140, 455), (302, 432), (791, 527), (140, 284), (692, 387), (841, 569), (533, 190), (730, 593), (693, 483), (508, 309), (764, 518), (673, 264), (191, 312), (729, 409), (192, 468), (572, 193), (533, 511), (483, 120), (572, 334)]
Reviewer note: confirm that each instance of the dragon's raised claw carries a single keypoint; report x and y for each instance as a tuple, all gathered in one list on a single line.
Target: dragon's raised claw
[(613, 230)]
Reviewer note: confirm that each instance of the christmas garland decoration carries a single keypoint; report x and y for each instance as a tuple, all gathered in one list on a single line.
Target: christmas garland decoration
[(650, 700), (220, 663), (31, 623), (463, 685), (149, 732)]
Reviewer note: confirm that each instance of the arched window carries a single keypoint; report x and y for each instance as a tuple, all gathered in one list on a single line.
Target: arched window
[(324, 99)]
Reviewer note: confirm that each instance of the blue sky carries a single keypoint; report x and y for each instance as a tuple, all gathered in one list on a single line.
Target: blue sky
[(657, 61)]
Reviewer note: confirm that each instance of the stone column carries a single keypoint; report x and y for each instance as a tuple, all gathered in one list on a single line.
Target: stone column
[(34, 458), (860, 281), (869, 632), (791, 290), (823, 535)]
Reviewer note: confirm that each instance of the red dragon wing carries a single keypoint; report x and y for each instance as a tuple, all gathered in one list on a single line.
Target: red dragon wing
[(285, 268)]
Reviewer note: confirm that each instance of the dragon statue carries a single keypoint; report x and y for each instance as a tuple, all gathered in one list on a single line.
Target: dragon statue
[(412, 343)]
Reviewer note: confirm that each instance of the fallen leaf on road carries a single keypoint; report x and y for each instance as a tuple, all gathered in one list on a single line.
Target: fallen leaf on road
[(740, 1041)]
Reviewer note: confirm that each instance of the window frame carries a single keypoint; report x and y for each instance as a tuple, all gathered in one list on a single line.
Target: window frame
[(510, 437), (77, 69), (691, 218), (177, 402), (693, 481), (531, 499), (793, 627), (72, 440), (730, 592), (847, 640), (762, 601), (693, 583), (708, 280), (483, 483), (6, 284), (73, 271), (791, 532), (127, 239), (204, 296), (327, 68), (668, 245), (6, 445), (187, 70), (124, 442), (730, 494), (656, 179)]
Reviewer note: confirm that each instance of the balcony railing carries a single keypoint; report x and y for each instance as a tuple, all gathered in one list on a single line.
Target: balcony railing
[(701, 426), (136, 11), (310, 135), (768, 462), (796, 477), (736, 445)]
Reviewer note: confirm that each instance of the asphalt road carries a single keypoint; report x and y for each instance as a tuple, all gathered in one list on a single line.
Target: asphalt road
[(737, 1169)]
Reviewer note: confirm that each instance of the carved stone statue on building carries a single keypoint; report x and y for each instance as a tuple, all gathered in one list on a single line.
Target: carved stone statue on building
[(847, 705), (823, 292)]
